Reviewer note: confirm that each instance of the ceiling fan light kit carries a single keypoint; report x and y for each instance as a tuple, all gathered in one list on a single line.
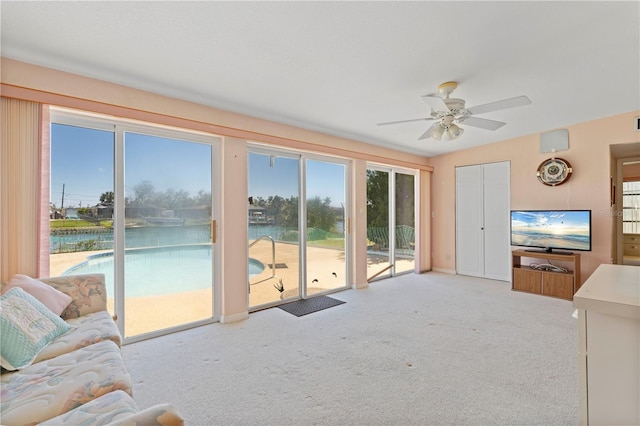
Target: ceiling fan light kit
[(453, 132), (449, 112)]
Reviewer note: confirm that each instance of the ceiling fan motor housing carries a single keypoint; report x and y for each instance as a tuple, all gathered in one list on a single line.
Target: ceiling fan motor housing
[(455, 113)]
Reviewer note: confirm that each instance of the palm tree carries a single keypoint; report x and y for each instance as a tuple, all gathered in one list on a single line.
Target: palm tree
[(106, 198)]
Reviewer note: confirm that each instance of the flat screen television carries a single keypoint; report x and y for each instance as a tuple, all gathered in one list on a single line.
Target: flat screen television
[(549, 230)]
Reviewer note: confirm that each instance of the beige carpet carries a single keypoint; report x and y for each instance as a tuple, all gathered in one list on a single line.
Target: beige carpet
[(430, 349)]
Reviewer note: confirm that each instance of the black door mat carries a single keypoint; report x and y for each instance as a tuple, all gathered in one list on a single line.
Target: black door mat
[(308, 306)]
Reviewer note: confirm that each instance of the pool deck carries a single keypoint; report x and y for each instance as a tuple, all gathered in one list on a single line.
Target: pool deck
[(325, 267)]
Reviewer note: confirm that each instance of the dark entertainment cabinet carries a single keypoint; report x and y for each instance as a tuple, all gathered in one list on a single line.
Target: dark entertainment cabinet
[(548, 283)]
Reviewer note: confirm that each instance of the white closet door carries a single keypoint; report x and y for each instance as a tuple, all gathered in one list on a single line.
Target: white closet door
[(469, 210), (482, 220), (496, 221)]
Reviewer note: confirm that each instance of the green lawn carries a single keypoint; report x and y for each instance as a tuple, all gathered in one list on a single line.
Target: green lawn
[(329, 243), (70, 223), (79, 223)]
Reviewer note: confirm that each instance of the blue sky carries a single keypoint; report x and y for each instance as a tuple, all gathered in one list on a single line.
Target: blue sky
[(559, 221), (323, 179), (83, 160)]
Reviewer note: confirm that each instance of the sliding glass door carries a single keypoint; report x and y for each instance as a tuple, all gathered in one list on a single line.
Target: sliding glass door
[(168, 255), (274, 232), (405, 223), (378, 220), (135, 203), (82, 200), (390, 222), (326, 222), (296, 249)]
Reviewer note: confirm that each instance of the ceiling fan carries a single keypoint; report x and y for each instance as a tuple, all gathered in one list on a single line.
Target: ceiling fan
[(449, 112)]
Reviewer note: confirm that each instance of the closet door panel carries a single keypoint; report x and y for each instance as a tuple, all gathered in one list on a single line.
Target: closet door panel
[(496, 221), (469, 202)]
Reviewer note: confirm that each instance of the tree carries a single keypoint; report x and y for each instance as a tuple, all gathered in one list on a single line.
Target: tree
[(287, 213), (143, 193), (202, 198), (320, 214), (106, 198), (172, 199), (405, 197), (377, 198)]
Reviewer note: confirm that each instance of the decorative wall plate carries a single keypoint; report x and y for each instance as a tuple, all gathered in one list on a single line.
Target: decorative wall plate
[(554, 171)]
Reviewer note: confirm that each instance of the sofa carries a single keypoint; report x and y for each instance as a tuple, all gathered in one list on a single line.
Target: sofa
[(61, 359)]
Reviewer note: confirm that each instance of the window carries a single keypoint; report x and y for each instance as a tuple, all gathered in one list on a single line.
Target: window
[(135, 202), (631, 207)]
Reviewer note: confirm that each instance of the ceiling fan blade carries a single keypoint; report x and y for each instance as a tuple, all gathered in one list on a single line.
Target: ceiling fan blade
[(435, 102), (405, 121), (498, 105), (482, 123), (429, 132)]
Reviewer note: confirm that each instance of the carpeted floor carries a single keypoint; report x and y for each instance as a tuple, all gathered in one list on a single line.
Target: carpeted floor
[(430, 349)]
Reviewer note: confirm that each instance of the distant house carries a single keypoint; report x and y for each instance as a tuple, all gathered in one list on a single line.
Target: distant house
[(71, 213), (55, 213), (102, 211), (136, 211), (194, 212), (258, 215)]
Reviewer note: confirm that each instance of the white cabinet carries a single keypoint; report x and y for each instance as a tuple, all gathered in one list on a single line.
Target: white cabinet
[(631, 245), (482, 220), (609, 346)]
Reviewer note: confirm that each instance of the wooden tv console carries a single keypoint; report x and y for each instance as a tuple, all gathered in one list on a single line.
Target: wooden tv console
[(549, 283)]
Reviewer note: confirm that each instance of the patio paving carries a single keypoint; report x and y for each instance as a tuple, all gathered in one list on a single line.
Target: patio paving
[(325, 272)]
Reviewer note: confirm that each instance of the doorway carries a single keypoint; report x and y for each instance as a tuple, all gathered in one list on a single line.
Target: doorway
[(298, 226), (390, 221), (625, 203)]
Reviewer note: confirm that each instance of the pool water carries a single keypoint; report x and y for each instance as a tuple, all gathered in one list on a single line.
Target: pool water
[(161, 270)]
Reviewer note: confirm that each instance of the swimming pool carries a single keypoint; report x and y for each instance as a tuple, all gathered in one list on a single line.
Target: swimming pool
[(158, 270)]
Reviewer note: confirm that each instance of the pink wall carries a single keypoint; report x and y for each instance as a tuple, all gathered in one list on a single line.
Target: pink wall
[(588, 187)]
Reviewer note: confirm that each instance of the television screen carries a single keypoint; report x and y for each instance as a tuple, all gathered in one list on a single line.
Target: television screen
[(551, 229)]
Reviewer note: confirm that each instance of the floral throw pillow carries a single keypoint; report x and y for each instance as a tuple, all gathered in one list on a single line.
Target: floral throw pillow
[(27, 326), (53, 299)]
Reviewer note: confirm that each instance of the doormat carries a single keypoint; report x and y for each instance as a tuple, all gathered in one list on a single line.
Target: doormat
[(308, 306), (278, 266)]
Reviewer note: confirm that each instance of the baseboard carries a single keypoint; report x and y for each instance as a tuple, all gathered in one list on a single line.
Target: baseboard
[(444, 271), (228, 319)]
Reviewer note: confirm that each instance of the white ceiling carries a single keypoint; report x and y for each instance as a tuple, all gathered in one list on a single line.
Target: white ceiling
[(342, 67)]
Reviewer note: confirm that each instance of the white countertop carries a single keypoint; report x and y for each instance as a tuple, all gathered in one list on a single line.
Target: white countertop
[(613, 290)]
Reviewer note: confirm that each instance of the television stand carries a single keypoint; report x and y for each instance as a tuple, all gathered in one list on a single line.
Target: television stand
[(548, 283)]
